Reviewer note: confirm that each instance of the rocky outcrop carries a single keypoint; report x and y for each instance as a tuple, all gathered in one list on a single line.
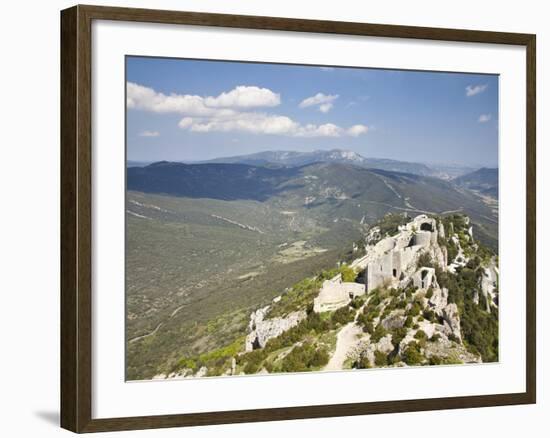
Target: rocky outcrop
[(438, 300), (488, 285), (262, 330), (452, 320), (384, 345), (393, 321), (450, 351), (405, 309)]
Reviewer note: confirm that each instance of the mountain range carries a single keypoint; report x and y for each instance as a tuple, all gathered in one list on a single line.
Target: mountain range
[(209, 242), (327, 189), (297, 159), (484, 180)]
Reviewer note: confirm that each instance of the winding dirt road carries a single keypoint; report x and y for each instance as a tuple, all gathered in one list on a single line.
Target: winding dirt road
[(346, 340)]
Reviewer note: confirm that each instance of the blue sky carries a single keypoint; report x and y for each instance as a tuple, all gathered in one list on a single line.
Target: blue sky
[(189, 110)]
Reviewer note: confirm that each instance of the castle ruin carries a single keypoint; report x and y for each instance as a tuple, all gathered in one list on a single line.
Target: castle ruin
[(389, 262)]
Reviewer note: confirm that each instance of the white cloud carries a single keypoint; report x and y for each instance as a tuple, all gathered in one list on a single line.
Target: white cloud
[(149, 134), (325, 107), (260, 123), (245, 97), (484, 118), (230, 112), (327, 68), (145, 98), (472, 90), (357, 130), (255, 123), (318, 99)]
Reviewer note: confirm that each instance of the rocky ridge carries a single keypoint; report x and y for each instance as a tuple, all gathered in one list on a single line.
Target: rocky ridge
[(424, 293)]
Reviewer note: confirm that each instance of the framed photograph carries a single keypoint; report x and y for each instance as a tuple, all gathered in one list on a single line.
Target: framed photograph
[(269, 219)]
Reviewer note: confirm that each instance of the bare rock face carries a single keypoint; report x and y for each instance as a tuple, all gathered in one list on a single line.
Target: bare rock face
[(488, 284), (367, 349), (384, 345), (452, 320), (427, 327), (262, 330), (446, 349), (441, 229), (476, 296), (257, 317), (438, 301), (393, 321), (201, 372)]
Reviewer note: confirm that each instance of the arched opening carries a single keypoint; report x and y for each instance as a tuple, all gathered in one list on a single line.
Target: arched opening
[(395, 273), (426, 226)]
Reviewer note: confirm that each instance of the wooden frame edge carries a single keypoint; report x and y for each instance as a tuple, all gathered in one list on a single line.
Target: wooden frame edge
[(531, 218), (76, 222)]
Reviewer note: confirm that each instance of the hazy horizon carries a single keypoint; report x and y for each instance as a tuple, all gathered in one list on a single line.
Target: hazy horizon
[(189, 110), (428, 163)]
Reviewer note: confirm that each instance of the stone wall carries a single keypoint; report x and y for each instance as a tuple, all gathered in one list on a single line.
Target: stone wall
[(396, 256), (335, 293)]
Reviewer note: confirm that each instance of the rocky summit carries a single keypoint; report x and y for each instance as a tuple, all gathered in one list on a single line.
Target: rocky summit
[(419, 291)]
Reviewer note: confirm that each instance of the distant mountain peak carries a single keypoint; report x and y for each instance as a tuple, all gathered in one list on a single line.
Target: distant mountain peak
[(278, 158)]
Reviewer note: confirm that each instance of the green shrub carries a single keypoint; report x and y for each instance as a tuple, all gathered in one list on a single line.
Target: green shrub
[(305, 357), (186, 363), (415, 309), (412, 354), (389, 224), (401, 304), (368, 328), (343, 315), (452, 251), (363, 363), (348, 274), (429, 315), (357, 302), (365, 322), (380, 359), (378, 333), (453, 338), (375, 300), (320, 358), (398, 335), (317, 324), (450, 361), (429, 293), (252, 360), (421, 335), (425, 260)]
